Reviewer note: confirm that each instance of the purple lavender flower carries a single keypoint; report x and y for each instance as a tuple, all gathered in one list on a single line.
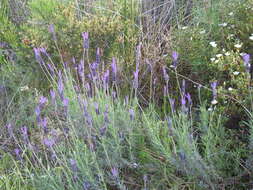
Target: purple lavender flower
[(60, 85), (65, 102), (103, 129), (165, 74), (114, 69), (38, 56), (183, 104), (52, 94), (175, 56), (93, 70), (115, 172), (51, 69), (73, 165), (175, 59), (106, 78), (106, 114), (114, 95), (10, 130), (49, 142), (96, 108), (183, 101), (131, 112), (43, 123), (135, 82), (42, 101), (17, 153), (87, 116), (182, 156), (88, 89), (24, 132), (43, 50), (214, 86), (37, 113), (188, 97), (86, 185), (52, 31), (246, 60), (85, 36)]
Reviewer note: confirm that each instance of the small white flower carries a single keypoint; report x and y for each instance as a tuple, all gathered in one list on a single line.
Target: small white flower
[(242, 54), (236, 73), (202, 32), (223, 24), (214, 101), (238, 46), (216, 61), (232, 26), (231, 13), (213, 44), (184, 27), (219, 55), (227, 53), (251, 37), (212, 59), (24, 88), (210, 109), (230, 89)]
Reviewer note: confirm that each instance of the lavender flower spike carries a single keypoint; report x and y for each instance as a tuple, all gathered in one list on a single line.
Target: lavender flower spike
[(165, 74), (214, 85), (73, 165), (135, 83), (131, 112), (17, 153), (49, 142), (85, 36), (115, 172), (44, 125), (10, 130), (106, 78), (38, 56), (174, 59), (52, 94), (52, 31), (37, 113), (246, 60), (42, 101), (96, 108), (189, 100), (60, 85), (114, 68), (24, 132)]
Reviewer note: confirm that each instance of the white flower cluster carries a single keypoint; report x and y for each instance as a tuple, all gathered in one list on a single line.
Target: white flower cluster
[(251, 37), (213, 44)]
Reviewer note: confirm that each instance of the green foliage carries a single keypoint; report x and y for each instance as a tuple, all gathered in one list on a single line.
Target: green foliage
[(109, 29)]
